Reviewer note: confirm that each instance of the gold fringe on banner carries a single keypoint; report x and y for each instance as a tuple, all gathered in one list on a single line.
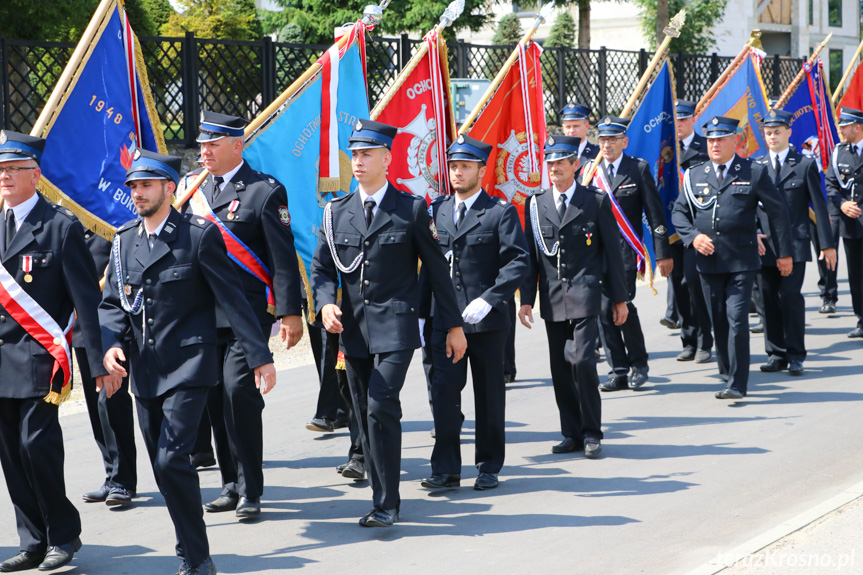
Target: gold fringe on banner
[(329, 184), (308, 288), (53, 194), (55, 398)]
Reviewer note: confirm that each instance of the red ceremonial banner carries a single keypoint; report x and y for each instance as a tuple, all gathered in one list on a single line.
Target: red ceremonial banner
[(853, 97), (516, 110), (421, 109)]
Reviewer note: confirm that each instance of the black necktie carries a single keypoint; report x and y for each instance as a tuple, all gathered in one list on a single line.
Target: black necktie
[(561, 206), (462, 208), (721, 176), (777, 166), (610, 172), (10, 228), (218, 186), (151, 241), (370, 211)]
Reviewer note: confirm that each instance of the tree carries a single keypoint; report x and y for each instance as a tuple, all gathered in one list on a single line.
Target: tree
[(319, 18), (218, 19), (508, 30), (562, 32), (696, 36)]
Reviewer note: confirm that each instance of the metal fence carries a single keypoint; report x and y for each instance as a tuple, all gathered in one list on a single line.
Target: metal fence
[(241, 78)]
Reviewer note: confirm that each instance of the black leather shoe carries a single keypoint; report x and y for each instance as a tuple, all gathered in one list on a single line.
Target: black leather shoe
[(249, 507), (57, 557), (597, 354), (668, 322), (205, 567), (567, 445), (341, 423), (354, 470), (702, 356), (795, 368), (688, 354), (486, 481), (320, 424), (99, 495), (729, 393), (615, 383), (340, 468), (23, 561), (858, 332), (592, 448), (221, 504), (827, 307), (119, 497), (757, 328), (639, 377), (379, 518), (442, 480), (774, 365), (205, 459)]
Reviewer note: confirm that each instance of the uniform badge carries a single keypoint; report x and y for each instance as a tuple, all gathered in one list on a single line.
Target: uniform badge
[(550, 140), (3, 138), (359, 126), (202, 116), (201, 221), (460, 139), (137, 155), (127, 289), (589, 237), (233, 208), (660, 230), (284, 215), (27, 267), (433, 229), (715, 121)]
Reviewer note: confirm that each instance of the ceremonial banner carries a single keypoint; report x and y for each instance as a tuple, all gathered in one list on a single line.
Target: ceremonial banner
[(106, 113), (421, 108), (513, 122), (653, 137), (853, 97), (742, 97), (288, 147), (813, 126)]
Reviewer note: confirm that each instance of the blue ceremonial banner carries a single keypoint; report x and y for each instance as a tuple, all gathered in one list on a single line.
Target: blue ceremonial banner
[(743, 98), (289, 149), (813, 126), (106, 113), (653, 137)]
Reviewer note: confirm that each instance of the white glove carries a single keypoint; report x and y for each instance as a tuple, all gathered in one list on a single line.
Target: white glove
[(476, 311), (422, 329)]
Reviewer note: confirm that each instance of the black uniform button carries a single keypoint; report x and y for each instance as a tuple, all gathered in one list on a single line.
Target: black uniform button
[(562, 236), (150, 321), (366, 282), (412, 309), (200, 338), (458, 274), (365, 243), (458, 288), (562, 251), (151, 341), (2, 318), (176, 275), (367, 302), (149, 301), (563, 265), (366, 262), (148, 282), (2, 342), (456, 260)]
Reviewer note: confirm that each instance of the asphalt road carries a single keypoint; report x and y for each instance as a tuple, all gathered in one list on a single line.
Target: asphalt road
[(683, 479)]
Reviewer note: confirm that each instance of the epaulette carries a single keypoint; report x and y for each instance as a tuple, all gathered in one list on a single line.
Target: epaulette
[(440, 199), (342, 198), (410, 195), (762, 160), (130, 225), (540, 191), (196, 220), (65, 211), (696, 164)]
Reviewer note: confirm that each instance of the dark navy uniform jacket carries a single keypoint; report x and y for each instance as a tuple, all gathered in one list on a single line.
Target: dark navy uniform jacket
[(380, 299), (590, 152), (262, 222), (841, 189), (488, 253), (174, 338), (63, 280), (589, 254), (635, 190), (732, 221), (800, 182), (695, 153), (100, 250)]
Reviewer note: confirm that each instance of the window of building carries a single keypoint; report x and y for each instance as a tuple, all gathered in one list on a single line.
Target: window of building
[(811, 13), (834, 13), (836, 68)]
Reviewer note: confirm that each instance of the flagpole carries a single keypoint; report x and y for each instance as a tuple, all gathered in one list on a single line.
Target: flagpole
[(544, 13), (840, 87), (72, 66), (452, 12), (671, 32), (783, 99), (371, 15), (754, 42)]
